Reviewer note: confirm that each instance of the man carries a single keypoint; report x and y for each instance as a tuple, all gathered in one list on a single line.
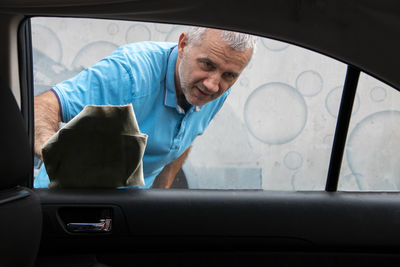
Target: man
[(175, 91)]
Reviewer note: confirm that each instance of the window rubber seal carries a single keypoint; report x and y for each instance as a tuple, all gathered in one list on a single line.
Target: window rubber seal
[(25, 62)]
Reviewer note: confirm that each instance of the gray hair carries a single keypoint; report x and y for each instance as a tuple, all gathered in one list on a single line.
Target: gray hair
[(236, 40)]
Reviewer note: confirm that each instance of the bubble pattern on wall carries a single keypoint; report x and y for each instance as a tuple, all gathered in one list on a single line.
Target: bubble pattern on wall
[(112, 29), (275, 113), (47, 42), (333, 99), (47, 55), (293, 160), (378, 94), (309, 83), (137, 33), (377, 163), (274, 45), (92, 53), (264, 125)]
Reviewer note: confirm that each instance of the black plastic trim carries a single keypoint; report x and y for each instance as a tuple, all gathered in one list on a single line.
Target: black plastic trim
[(13, 194), (26, 83), (342, 127)]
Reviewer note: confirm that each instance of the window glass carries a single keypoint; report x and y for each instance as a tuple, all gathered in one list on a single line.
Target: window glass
[(371, 159), (275, 129), (62, 47)]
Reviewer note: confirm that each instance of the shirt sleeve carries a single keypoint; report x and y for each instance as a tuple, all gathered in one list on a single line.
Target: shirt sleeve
[(109, 82)]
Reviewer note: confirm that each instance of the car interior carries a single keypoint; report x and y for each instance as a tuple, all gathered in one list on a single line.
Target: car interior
[(195, 224)]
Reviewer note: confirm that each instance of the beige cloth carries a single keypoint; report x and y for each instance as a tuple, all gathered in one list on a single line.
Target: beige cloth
[(101, 147)]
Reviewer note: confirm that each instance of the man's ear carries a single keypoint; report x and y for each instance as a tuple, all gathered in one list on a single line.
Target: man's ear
[(182, 44)]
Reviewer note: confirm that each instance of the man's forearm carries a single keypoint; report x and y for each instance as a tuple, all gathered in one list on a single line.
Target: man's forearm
[(47, 117), (167, 176)]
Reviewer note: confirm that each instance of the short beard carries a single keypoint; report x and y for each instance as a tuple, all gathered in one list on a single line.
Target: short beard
[(184, 86)]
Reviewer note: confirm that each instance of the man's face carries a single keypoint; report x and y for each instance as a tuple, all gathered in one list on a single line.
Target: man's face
[(205, 71)]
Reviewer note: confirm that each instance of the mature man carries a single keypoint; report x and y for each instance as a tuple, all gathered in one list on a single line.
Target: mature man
[(175, 91)]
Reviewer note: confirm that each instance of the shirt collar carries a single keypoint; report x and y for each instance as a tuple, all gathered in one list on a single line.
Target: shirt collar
[(170, 99)]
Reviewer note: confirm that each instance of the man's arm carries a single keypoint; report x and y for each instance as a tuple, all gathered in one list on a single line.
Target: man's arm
[(167, 176), (47, 117)]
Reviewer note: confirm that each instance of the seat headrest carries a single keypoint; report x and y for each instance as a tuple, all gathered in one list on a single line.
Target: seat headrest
[(16, 157)]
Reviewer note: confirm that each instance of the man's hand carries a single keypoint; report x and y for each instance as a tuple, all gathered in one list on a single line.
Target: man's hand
[(167, 176), (47, 117)]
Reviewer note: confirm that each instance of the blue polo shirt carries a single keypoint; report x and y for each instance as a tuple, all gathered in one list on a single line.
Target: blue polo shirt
[(142, 74)]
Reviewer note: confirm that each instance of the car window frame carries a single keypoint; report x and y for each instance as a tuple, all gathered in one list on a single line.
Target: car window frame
[(341, 128)]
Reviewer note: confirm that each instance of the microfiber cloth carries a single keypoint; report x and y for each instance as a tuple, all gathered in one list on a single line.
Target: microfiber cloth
[(101, 147)]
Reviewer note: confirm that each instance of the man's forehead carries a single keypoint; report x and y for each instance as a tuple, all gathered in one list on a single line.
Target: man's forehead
[(215, 49), (223, 54)]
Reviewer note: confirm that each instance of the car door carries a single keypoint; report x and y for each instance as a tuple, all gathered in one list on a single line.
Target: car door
[(227, 227), (20, 210)]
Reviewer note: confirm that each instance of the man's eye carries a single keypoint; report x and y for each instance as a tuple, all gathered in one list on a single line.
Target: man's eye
[(230, 76), (207, 64)]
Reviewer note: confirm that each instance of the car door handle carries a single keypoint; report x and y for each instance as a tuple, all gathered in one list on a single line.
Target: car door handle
[(103, 226)]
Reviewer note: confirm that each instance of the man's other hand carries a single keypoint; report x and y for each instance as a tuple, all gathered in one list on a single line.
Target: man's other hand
[(167, 176)]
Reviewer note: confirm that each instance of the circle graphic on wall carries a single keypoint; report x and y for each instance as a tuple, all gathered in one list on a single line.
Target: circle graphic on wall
[(378, 94), (275, 113), (274, 45), (333, 99), (372, 151), (46, 42), (47, 56), (112, 28), (309, 83), (293, 160), (137, 33), (92, 53)]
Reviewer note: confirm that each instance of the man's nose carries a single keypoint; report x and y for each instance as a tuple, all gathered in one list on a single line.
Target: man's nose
[(212, 83)]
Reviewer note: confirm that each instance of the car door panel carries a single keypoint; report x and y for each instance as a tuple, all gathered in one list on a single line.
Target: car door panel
[(175, 227), (226, 227), (302, 219)]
